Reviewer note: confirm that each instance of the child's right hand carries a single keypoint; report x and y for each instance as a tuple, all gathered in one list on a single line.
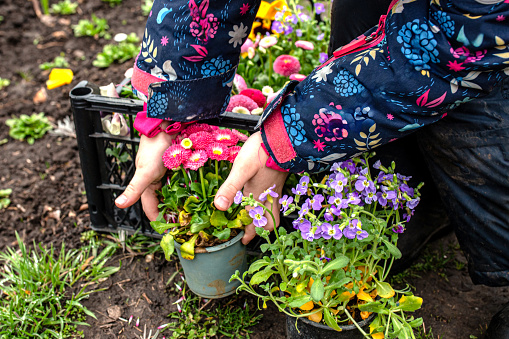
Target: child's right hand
[(147, 178)]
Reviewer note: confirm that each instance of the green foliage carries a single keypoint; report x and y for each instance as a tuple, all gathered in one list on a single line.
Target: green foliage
[(230, 317), (4, 197), (120, 52), (59, 62), (40, 298), (45, 6), (4, 83), (28, 127), (146, 7), (113, 3), (97, 28), (64, 7)]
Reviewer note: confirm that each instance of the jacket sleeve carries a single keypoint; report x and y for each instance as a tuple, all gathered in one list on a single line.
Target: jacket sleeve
[(424, 59), (189, 55)]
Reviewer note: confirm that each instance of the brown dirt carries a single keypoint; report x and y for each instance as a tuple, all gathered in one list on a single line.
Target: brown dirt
[(48, 205)]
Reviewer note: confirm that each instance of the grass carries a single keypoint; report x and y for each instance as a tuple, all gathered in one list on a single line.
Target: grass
[(199, 318), (59, 61), (39, 289)]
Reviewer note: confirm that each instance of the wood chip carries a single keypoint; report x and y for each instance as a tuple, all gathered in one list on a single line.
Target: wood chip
[(146, 298), (41, 96)]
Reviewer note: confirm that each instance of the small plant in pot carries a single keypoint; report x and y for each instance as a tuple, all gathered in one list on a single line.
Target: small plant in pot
[(333, 268), (199, 161)]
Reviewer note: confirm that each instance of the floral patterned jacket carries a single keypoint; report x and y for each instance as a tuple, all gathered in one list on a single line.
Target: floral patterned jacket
[(424, 59)]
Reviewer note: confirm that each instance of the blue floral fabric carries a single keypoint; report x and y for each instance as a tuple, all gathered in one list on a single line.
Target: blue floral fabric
[(431, 57), (193, 47)]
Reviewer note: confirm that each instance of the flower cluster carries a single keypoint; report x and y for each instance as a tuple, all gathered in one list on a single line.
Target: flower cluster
[(333, 266), (199, 161)]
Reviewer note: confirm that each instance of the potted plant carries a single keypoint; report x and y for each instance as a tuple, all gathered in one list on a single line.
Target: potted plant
[(207, 239), (333, 269)]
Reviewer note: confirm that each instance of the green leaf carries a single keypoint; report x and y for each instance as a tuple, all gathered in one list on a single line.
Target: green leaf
[(392, 249), (191, 204), (415, 323), (317, 290), (329, 320), (223, 234), (384, 289), (295, 302), (160, 227), (410, 303), (261, 276), (244, 217), (168, 246), (257, 265), (336, 264), (374, 306), (196, 187), (264, 247), (235, 224), (218, 219), (338, 284), (199, 223)]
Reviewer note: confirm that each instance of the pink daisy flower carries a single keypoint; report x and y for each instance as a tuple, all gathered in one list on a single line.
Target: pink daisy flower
[(286, 65), (248, 43), (196, 160), (225, 137), (242, 137), (297, 76), (175, 155), (242, 101), (201, 139), (233, 151), (305, 45), (217, 151), (239, 82), (196, 128)]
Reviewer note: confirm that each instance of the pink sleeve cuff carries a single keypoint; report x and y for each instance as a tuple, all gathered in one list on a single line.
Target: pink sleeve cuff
[(150, 126), (277, 139), (271, 163)]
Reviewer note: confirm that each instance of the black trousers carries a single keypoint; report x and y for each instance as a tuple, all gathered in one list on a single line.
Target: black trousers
[(463, 159)]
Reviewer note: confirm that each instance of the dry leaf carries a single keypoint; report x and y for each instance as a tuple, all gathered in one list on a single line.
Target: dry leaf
[(41, 96), (114, 312)]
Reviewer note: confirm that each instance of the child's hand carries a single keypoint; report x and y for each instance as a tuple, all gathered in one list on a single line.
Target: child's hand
[(249, 172), (147, 178)]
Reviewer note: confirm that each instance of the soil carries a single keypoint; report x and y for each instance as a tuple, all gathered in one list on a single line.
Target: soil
[(48, 204)]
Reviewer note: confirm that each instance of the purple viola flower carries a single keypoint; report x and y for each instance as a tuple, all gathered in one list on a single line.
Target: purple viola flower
[(288, 30), (308, 235), (361, 234), (303, 17), (316, 202), (407, 189), (238, 197), (269, 191), (299, 7), (323, 57), (363, 183), (292, 18), (328, 215), (304, 181), (354, 230), (319, 8), (339, 183), (350, 231), (336, 167), (259, 219), (285, 201), (335, 210), (398, 229), (369, 197), (377, 164), (329, 231), (353, 198), (320, 37), (278, 27), (412, 203), (304, 209), (301, 225), (299, 190), (403, 177), (278, 16), (408, 216), (349, 165), (385, 195), (298, 32)]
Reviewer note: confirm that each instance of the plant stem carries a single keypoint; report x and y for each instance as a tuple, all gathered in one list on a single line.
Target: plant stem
[(357, 325), (202, 184)]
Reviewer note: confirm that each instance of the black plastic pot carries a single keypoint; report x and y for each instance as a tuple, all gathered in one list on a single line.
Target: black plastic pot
[(307, 329)]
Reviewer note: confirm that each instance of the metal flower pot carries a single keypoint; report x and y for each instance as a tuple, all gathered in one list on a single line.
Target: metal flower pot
[(208, 274)]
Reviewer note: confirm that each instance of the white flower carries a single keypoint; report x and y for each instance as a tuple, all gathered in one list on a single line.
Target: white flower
[(238, 34), (267, 90), (257, 111), (322, 73)]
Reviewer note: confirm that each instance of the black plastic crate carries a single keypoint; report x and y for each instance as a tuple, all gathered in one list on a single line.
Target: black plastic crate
[(105, 175)]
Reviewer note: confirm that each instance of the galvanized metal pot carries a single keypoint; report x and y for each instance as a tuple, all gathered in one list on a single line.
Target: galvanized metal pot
[(207, 275)]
